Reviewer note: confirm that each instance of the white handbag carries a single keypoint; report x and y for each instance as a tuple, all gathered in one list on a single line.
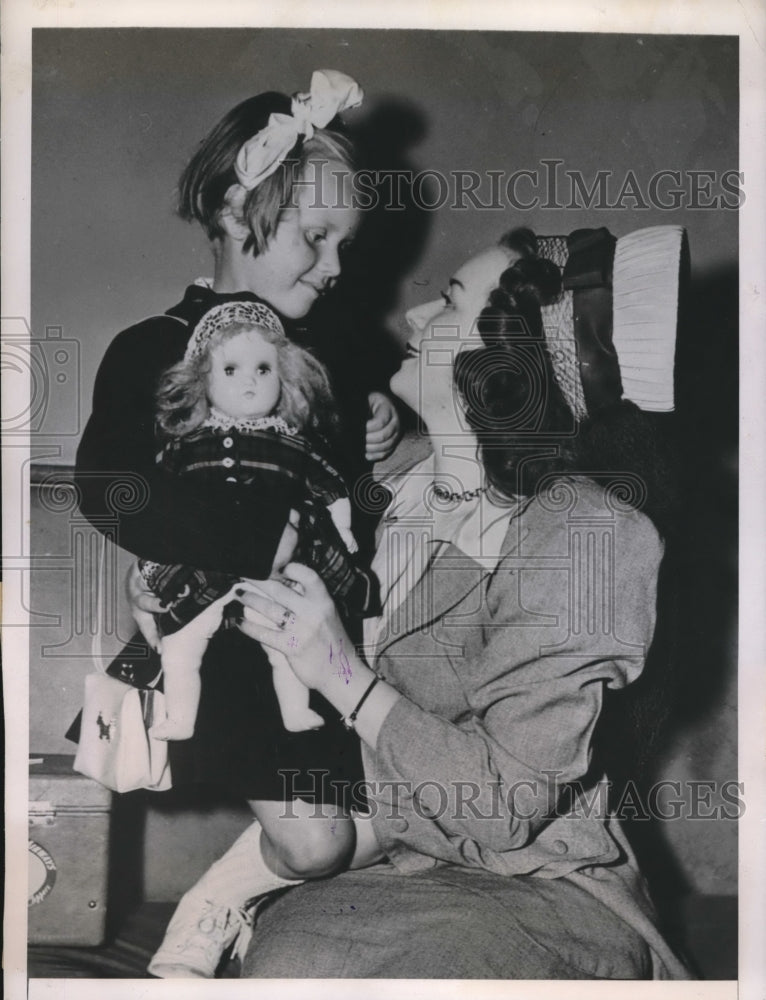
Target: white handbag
[(115, 747)]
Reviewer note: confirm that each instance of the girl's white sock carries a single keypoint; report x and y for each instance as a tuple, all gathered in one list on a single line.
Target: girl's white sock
[(211, 916), (241, 873)]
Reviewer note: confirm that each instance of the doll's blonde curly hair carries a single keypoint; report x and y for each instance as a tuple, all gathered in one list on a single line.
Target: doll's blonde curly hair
[(306, 402)]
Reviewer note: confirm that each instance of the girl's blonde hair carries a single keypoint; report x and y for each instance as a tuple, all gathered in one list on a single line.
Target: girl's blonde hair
[(306, 400), (204, 183)]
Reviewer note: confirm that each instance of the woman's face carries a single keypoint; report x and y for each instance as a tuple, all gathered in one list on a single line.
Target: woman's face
[(243, 380), (303, 257), (441, 329)]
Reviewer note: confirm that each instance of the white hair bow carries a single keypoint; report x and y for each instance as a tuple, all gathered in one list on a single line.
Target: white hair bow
[(331, 92)]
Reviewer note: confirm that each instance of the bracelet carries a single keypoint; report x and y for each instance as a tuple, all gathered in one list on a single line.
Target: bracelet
[(350, 719)]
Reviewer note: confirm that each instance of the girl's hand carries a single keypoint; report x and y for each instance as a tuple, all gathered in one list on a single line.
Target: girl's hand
[(144, 605), (296, 616), (382, 427)]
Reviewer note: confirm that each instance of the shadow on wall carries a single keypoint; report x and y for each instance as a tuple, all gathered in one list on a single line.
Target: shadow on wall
[(392, 237), (390, 241), (691, 666), (349, 327), (708, 408)]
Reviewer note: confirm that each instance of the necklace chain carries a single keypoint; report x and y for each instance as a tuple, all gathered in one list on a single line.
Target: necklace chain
[(452, 496)]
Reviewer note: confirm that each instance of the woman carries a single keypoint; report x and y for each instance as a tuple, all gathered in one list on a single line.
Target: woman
[(515, 592)]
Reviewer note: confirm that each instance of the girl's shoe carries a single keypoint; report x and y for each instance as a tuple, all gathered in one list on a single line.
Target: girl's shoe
[(214, 915), (198, 936)]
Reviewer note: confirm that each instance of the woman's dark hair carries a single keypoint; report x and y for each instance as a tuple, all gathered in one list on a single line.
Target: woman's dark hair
[(210, 173), (511, 397), (527, 435), (525, 428)]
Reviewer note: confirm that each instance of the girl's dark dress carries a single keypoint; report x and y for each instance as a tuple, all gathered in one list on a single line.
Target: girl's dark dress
[(239, 743)]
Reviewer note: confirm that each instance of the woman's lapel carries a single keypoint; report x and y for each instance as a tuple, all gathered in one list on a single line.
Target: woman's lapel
[(449, 577)]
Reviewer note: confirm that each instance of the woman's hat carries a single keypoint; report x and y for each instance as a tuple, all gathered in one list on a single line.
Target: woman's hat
[(612, 332)]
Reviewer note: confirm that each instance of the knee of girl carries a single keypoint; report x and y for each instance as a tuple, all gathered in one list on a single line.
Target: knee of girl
[(323, 847)]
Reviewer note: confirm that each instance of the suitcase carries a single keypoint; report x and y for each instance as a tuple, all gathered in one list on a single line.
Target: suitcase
[(68, 853)]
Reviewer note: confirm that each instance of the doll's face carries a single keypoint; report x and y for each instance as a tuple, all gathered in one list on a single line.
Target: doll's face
[(244, 376)]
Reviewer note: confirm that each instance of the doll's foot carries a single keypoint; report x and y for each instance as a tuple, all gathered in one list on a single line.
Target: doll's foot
[(300, 721), (172, 729), (348, 539)]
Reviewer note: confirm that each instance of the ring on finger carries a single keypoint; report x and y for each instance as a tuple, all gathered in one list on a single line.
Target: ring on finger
[(287, 618)]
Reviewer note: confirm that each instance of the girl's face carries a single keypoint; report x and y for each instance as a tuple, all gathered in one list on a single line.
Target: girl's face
[(243, 380), (303, 257), (441, 329)]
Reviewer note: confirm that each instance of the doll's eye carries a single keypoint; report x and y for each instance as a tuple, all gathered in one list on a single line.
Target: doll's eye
[(264, 369), (316, 235), (228, 369)]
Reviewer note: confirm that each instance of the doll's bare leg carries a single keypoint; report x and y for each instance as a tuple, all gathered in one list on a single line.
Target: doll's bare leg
[(181, 683), (340, 512), (293, 696), (182, 688), (182, 653)]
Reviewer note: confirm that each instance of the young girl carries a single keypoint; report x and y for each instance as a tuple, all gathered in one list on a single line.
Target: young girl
[(255, 186), (232, 410)]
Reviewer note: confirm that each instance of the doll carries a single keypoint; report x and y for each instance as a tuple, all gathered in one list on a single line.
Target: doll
[(236, 409)]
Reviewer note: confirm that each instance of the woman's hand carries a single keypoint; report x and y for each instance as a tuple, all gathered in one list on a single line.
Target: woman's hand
[(144, 605), (382, 427), (304, 625), (296, 616)]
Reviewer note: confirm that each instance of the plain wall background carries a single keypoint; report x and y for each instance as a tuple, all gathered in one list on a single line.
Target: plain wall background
[(117, 113)]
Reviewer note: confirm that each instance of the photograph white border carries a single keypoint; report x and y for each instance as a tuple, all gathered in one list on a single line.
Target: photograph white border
[(745, 18)]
